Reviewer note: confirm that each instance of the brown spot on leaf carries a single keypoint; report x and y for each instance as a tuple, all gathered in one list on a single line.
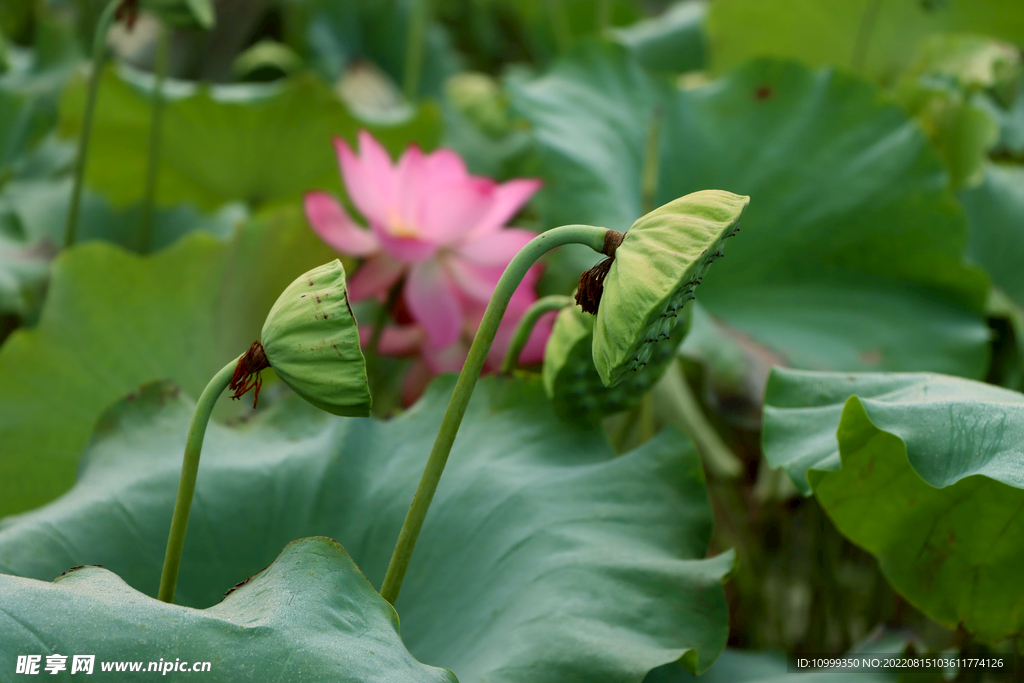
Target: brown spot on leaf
[(764, 92), (75, 569), (871, 357)]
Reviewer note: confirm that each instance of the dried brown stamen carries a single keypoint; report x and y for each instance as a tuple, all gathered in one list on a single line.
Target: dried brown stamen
[(588, 295), (247, 372)]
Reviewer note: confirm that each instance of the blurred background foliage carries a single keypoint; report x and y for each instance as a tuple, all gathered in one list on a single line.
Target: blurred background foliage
[(882, 143)]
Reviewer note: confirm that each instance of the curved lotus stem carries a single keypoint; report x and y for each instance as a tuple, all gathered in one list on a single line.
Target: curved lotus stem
[(153, 160), (187, 483), (555, 302), (99, 53), (510, 279)]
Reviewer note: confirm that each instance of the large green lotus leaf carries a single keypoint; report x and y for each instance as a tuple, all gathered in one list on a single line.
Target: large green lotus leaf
[(253, 143), (30, 85), (1011, 122), (544, 556), (591, 116), (34, 202), (924, 471), (309, 616), (33, 215), (850, 254), (113, 320), (875, 38), (996, 210), (673, 41), (23, 120), (40, 208), (536, 31), (338, 35)]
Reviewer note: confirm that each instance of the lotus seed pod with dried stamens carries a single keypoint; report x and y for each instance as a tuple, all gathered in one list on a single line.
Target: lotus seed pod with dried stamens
[(572, 382), (311, 340), (655, 272)]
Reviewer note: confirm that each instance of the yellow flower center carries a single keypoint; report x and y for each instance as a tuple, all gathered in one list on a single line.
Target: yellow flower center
[(398, 227)]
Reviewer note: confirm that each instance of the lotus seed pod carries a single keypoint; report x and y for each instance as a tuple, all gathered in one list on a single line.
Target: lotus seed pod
[(573, 383), (655, 271), (311, 340), (480, 99)]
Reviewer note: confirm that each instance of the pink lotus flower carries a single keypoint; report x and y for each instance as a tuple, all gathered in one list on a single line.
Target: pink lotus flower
[(443, 231)]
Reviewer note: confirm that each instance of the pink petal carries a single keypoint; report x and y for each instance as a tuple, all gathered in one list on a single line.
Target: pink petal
[(330, 220), (506, 201), (533, 351), (433, 304), (446, 167), (396, 340), (496, 248), (409, 250), (526, 292), (417, 378), (410, 178), (375, 277), (473, 281), (369, 179), (448, 359), (450, 211)]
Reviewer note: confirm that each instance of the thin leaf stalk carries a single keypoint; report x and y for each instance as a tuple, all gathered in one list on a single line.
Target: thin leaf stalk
[(524, 328), (155, 123), (414, 47), (604, 15), (571, 234), (649, 179), (187, 483), (686, 413), (99, 55), (559, 24), (864, 33)]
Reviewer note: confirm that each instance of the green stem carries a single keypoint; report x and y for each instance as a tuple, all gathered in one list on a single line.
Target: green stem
[(864, 32), (620, 429), (685, 412), (559, 24), (526, 324), (153, 160), (649, 178), (604, 15), (510, 279), (646, 421), (381, 319), (379, 380), (99, 54), (414, 47), (187, 483)]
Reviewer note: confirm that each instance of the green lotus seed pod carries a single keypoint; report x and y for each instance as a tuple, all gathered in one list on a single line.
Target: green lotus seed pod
[(183, 13), (311, 340), (654, 273), (573, 383)]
